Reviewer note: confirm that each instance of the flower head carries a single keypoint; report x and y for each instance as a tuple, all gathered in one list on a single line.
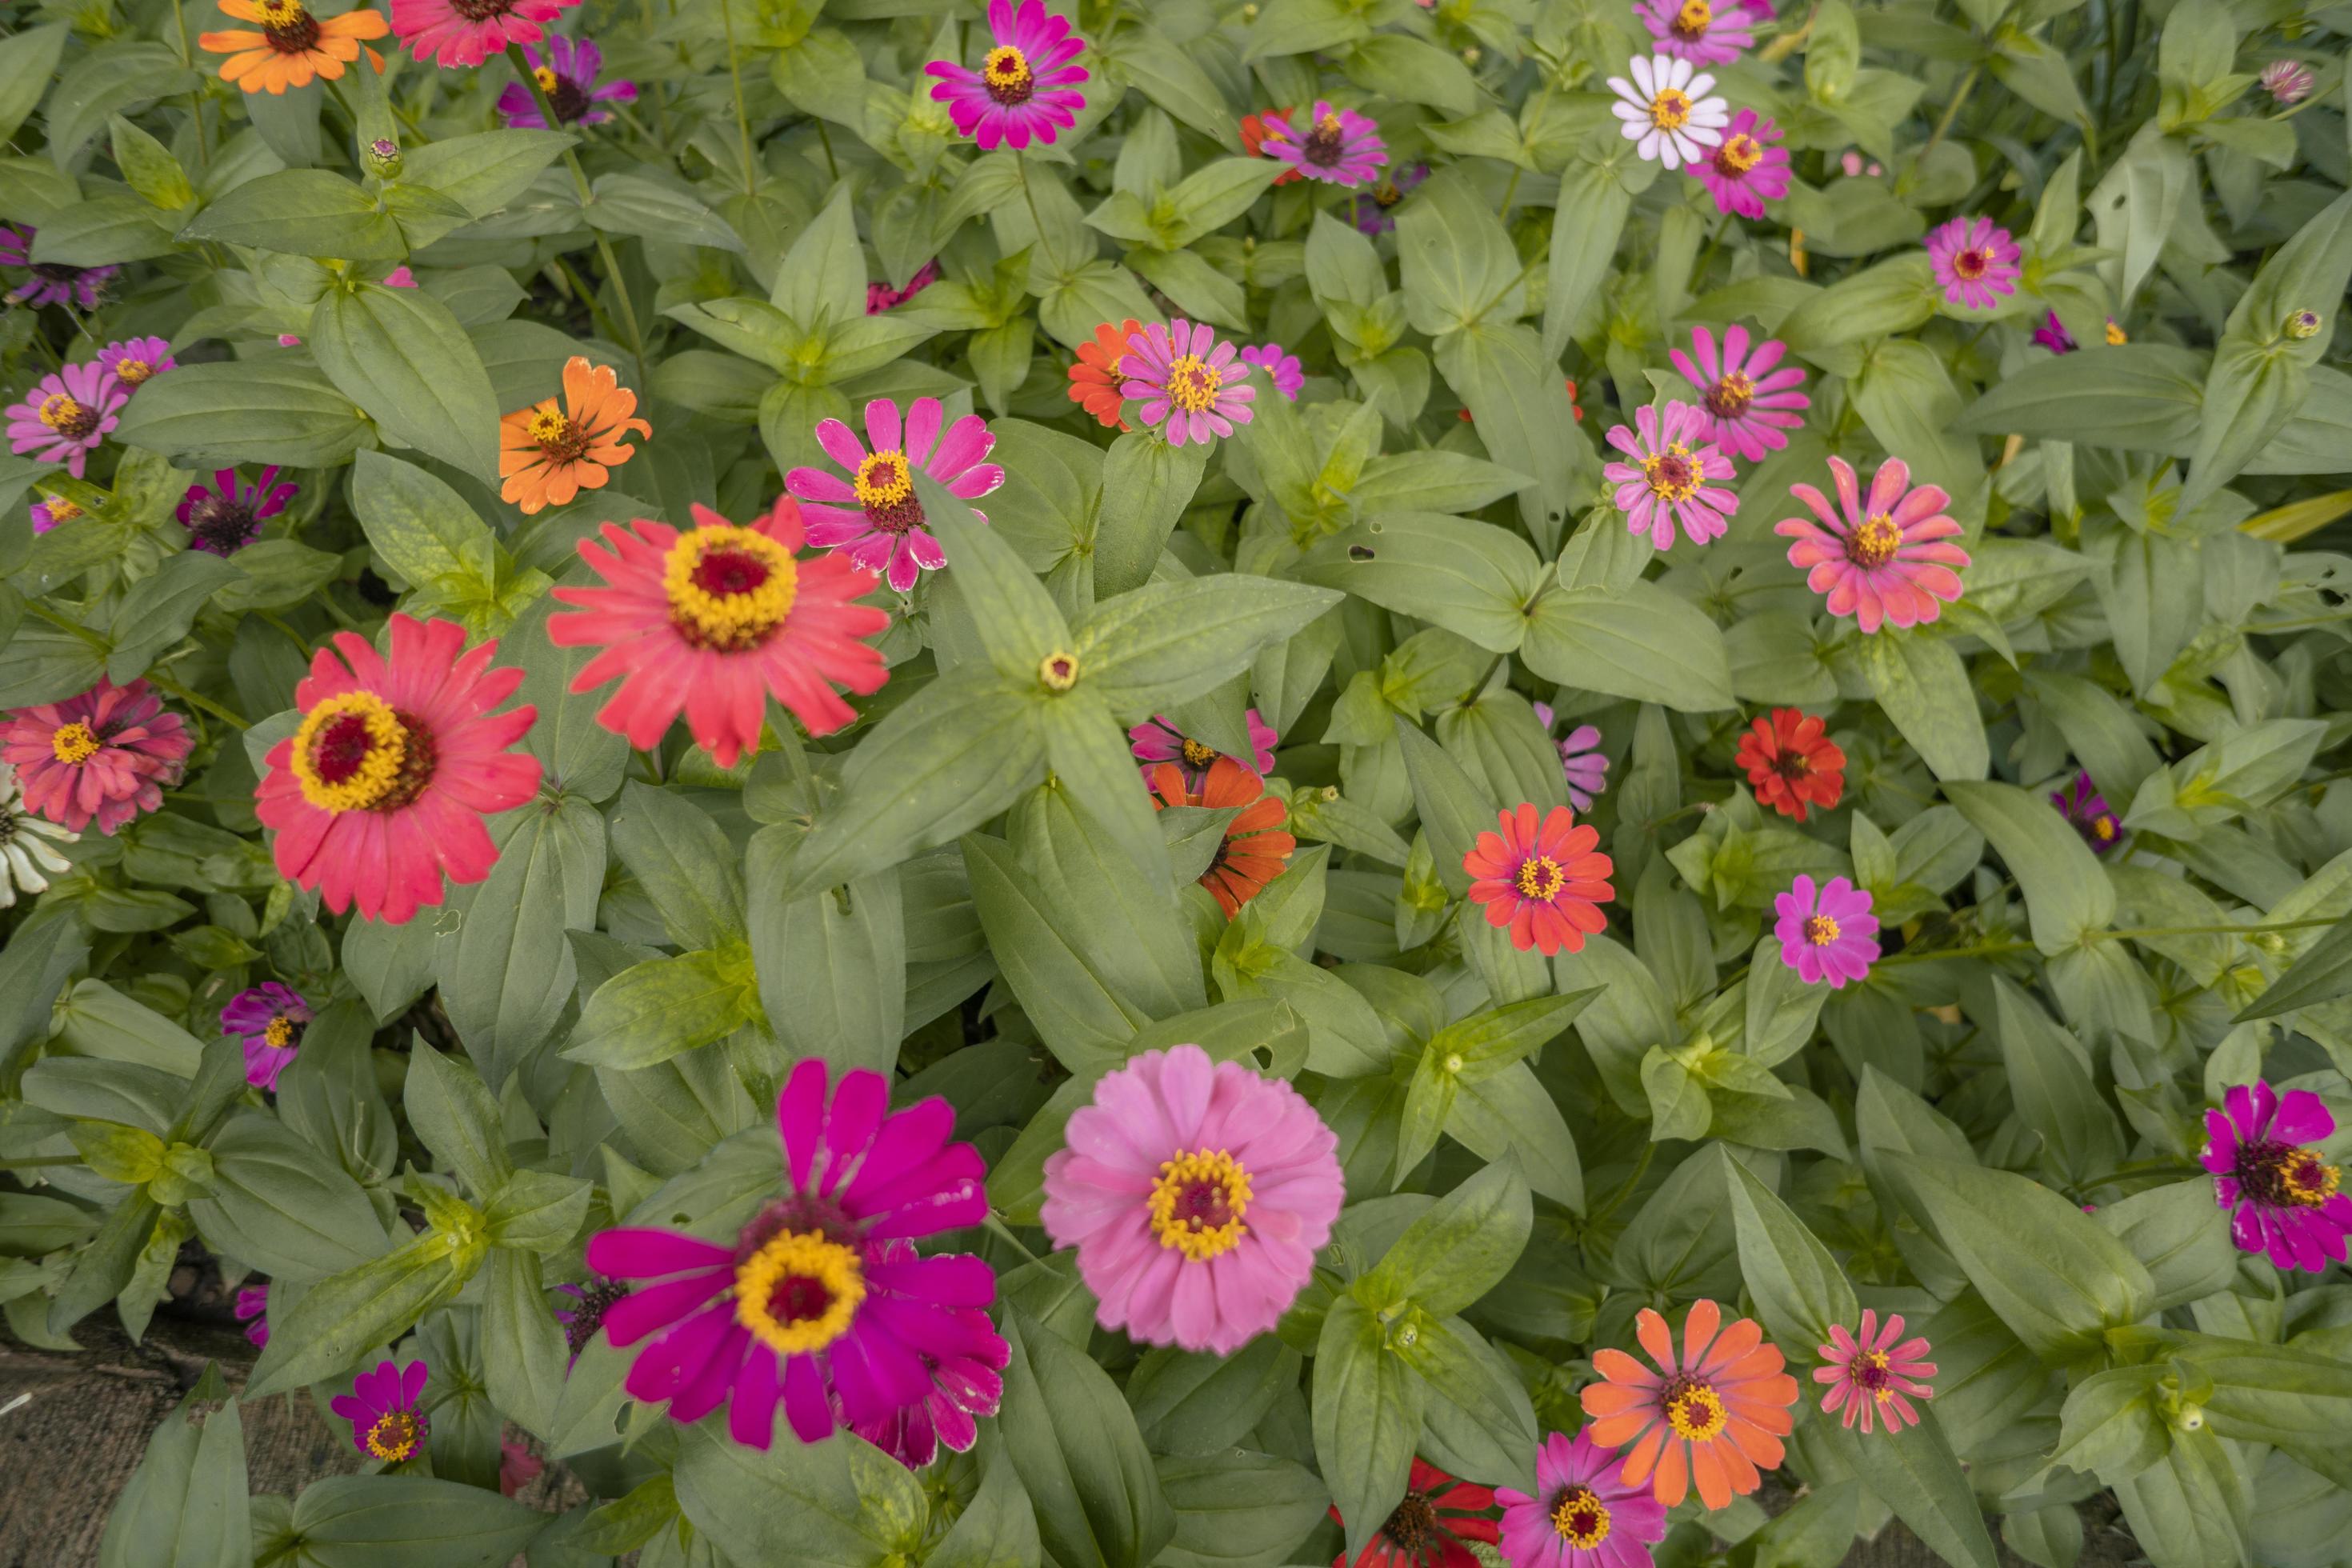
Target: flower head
[(252, 1304), (381, 1407), (287, 46), (1715, 1415), (52, 282), (2283, 1198), (881, 297), (1254, 132), (1328, 143), (1026, 89), (467, 32), (1255, 848), (379, 795), (1694, 30), (586, 1316), (1664, 107), (873, 516), (1748, 168), (817, 1296), (1188, 383), (1888, 559), (517, 1468), (1826, 933), (29, 855), (2087, 811), (104, 756), (269, 1019), (1374, 211), (1281, 368), (1197, 1195), (1666, 482), (2301, 326), (1746, 400), (67, 416), (1158, 739), (1095, 375), (966, 1383), (548, 455), (50, 511), (227, 516), (1791, 763), (2288, 82), (1429, 1525), (1584, 1513), (567, 74), (1543, 878), (138, 360), (1579, 760), (1974, 261), (1872, 1377)]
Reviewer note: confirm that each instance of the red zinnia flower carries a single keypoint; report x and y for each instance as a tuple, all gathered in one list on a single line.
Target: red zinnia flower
[(1546, 883), (1428, 1527), (1254, 850), (1094, 379), (1253, 141), (1792, 762)]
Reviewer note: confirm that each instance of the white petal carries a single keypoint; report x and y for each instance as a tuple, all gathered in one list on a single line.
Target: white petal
[(1699, 83), (1677, 72), (1702, 136), (1632, 113), (1638, 68), (1670, 152), (1625, 90), (1636, 130)]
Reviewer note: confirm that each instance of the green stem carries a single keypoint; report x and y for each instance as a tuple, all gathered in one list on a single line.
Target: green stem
[(296, 639), (196, 94), (742, 120), (1952, 109), (1975, 950), (196, 699), (825, 140), (1020, 162), (40, 1162), (587, 194), (1632, 1183), (63, 624), (1003, 1233), (2218, 930)]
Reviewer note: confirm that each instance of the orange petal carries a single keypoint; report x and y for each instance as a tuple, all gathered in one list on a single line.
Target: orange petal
[(1642, 1459), (1732, 1344), (1615, 1431), (1762, 1361), (1651, 1330), (1673, 1482), (1758, 1445), (1707, 1469), (1698, 1331), (230, 42), (1618, 1367), (1615, 1399)]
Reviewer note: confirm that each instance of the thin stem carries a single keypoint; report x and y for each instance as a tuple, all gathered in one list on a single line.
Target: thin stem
[(742, 120), (269, 617), (196, 94), (587, 194), (1976, 950), (1020, 162), (825, 140), (197, 700), (1617, 1199), (63, 624), (2144, 931), (1952, 109)]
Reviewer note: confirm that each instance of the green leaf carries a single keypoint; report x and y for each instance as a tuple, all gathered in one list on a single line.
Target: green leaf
[(2180, 1237), (1082, 1016), (1643, 643), (159, 610), (2195, 1508), (1469, 577), (276, 1205), (1925, 693), (2067, 895), (1168, 642), (1368, 1412), (457, 1119), (186, 1505), (633, 204), (1457, 1251), (2321, 974), (523, 1352), (401, 355), (1798, 1287), (507, 974), (997, 1529), (302, 212), (116, 76), (28, 64), (1456, 263), (1238, 1508), (253, 411), (663, 1007), (823, 277), (2050, 1079), (1919, 1477), (486, 171), (382, 1522), (684, 864), (833, 965), (350, 1311), (1193, 1402), (1146, 486), (1073, 1442)]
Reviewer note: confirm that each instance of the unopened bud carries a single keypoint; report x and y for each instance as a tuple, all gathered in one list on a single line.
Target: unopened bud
[(383, 159), (2303, 324), (1470, 56)]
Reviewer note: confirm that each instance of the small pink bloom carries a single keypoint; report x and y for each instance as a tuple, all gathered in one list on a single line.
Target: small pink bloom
[(873, 516), (1328, 143), (252, 1305), (1748, 168), (1026, 89), (1584, 1513), (1891, 560), (517, 1468), (2288, 82), (1282, 369), (1826, 934), (1745, 400), (881, 297), (67, 416), (269, 1019), (1870, 1376), (1975, 261), (387, 1422), (1694, 30), (105, 756), (137, 360), (467, 32), (1188, 384), (1666, 482)]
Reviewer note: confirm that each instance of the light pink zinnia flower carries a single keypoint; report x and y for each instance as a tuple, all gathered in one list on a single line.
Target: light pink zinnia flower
[(1744, 402), (1890, 560), (1870, 1376), (1196, 1193), (1974, 260), (1188, 383), (1826, 933), (1748, 168), (103, 756), (67, 416), (1335, 145), (137, 359), (1666, 482), (1579, 759), (2288, 82), (1694, 30), (467, 32), (873, 516), (1025, 89), (1281, 368)]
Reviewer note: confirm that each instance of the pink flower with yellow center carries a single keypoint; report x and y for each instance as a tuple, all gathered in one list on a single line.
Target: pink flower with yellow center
[(1888, 559), (1542, 879), (1747, 400), (1666, 482), (1872, 1377), (1190, 385), (1826, 932), (105, 756), (67, 416), (1975, 261), (1026, 89), (873, 516), (387, 1422)]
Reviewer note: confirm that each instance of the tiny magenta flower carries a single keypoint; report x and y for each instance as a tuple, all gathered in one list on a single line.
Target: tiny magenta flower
[(2288, 82), (52, 282), (1190, 385), (1584, 1513), (105, 756), (1666, 109), (1826, 933), (67, 416), (467, 32), (881, 297), (548, 455), (2087, 812), (1158, 739), (29, 855), (2281, 1197), (1542, 879), (1255, 848), (1747, 401), (291, 46), (251, 1309), (1197, 1195), (1253, 141), (1889, 560), (1666, 482), (1714, 1417), (268, 1020), (1026, 89), (136, 361), (227, 516), (1281, 368), (567, 74), (873, 516), (387, 1422), (1095, 378), (1791, 763), (1579, 759), (1428, 1527), (1694, 30), (1975, 261), (50, 511), (1335, 145), (1374, 211), (1872, 1377), (1748, 168)]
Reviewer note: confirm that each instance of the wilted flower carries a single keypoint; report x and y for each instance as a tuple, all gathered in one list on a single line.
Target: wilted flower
[(1187, 383), (1328, 143), (1975, 261), (2283, 1198), (517, 1468), (1666, 482), (1888, 560), (28, 858), (1429, 1525), (104, 756), (2288, 82), (1374, 211), (1748, 168), (137, 359), (1714, 1417), (67, 416), (1157, 739), (387, 1422), (873, 517), (1663, 109), (291, 47), (1095, 378), (467, 32), (269, 1020), (547, 454), (1791, 763), (1255, 848), (2087, 811), (1694, 30), (1542, 879), (1745, 401), (1826, 933), (566, 73), (1281, 368), (1026, 89), (586, 1316), (1584, 1513), (227, 516), (1872, 1377), (52, 282)]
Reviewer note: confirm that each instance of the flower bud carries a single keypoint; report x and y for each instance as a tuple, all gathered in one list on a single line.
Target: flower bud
[(2303, 324), (383, 158)]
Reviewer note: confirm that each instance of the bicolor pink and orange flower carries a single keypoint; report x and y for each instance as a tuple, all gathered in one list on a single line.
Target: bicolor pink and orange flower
[(1889, 559)]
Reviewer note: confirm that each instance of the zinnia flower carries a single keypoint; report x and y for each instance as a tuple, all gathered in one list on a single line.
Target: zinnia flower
[(548, 455), (1427, 1528), (1157, 739), (1338, 145), (1693, 30), (1026, 89), (226, 517), (586, 1314), (1715, 1416), (27, 859), (1744, 402), (1579, 760), (138, 359), (2051, 334), (566, 73), (67, 416), (1827, 933), (292, 46), (381, 793), (2283, 1198), (517, 1468), (1889, 561), (1546, 882), (1974, 261), (103, 756), (1584, 1514), (467, 32), (1254, 130), (252, 1304), (873, 516), (813, 1298), (2288, 82), (713, 620), (1663, 109), (881, 297), (1666, 482), (1187, 383), (1197, 1195), (965, 1384), (382, 1408), (1871, 1375), (1791, 762), (1255, 849), (2087, 811), (52, 282), (269, 1019), (1282, 369), (1748, 168), (50, 510), (1095, 378), (1374, 211)]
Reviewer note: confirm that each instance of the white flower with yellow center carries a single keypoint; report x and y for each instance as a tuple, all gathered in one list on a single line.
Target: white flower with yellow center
[(28, 860), (1666, 109)]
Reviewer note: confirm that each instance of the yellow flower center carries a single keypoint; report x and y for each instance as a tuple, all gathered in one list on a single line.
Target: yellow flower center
[(73, 743), (1580, 1518), (1673, 475), (1198, 1203), (280, 12), (131, 371), (1821, 930), (62, 510), (68, 416), (1059, 670), (396, 1435), (1873, 544), (883, 480), (1671, 109), (545, 77), (2116, 336), (1729, 399), (2308, 1183), (1693, 20), (352, 752), (1739, 155), (2104, 826), (799, 1292), (729, 588), (1192, 383), (1197, 755), (1007, 76), (1694, 1411), (1540, 878), (562, 440), (279, 1033)]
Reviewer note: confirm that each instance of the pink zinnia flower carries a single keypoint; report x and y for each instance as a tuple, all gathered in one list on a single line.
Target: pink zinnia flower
[(873, 516), (567, 74), (1579, 759), (1196, 1193), (1744, 402), (381, 1407), (1328, 143), (1694, 30), (1870, 1376), (2288, 82), (103, 756), (133, 362), (52, 282), (1974, 261), (289, 341), (517, 1468), (1584, 1513), (1025, 89), (1666, 482), (1281, 368), (1826, 933), (1158, 739), (1888, 560), (467, 32), (1188, 383), (713, 620), (226, 517), (1748, 168), (252, 1305), (50, 511), (817, 1296), (269, 1019), (380, 795), (67, 416), (2283, 1198), (1542, 879), (881, 297)]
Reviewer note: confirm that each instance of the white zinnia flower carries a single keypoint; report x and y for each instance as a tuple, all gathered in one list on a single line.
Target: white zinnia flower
[(1665, 110), (24, 857)]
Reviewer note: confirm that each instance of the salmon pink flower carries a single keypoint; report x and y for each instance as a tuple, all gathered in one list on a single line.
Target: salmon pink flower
[(1748, 168), (467, 32), (268, 1020), (105, 756), (2086, 810), (1974, 261), (2283, 1198), (1158, 739), (136, 361), (225, 518), (1095, 378), (1666, 482), (1543, 880), (1281, 368), (1336, 145), (1255, 849), (873, 516), (1696, 31), (2288, 82), (567, 74), (1664, 107), (1026, 89), (289, 46), (1791, 763), (1584, 1513), (548, 455), (67, 416), (1188, 383), (1826, 933), (1888, 560), (1714, 1417), (52, 282), (1428, 1527), (1745, 400), (1870, 1376), (386, 1422)]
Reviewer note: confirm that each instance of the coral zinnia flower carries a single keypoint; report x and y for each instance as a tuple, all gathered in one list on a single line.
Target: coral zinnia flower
[(873, 516), (2283, 1198), (1793, 764), (1579, 759), (269, 1020), (1885, 562), (1190, 385), (52, 282), (292, 46), (1743, 401), (713, 620), (816, 1296), (137, 360), (28, 844), (382, 1408), (567, 74), (381, 793), (227, 517), (1694, 30), (1748, 168), (1095, 378), (1026, 88), (1584, 1514), (549, 455), (1328, 143), (1827, 933), (1974, 261), (1715, 1417), (1870, 1376), (1254, 132), (67, 416), (1196, 1194), (103, 756), (2087, 811), (1546, 883), (467, 32), (1663, 109), (1157, 739), (1427, 1528), (1255, 849), (1666, 482)]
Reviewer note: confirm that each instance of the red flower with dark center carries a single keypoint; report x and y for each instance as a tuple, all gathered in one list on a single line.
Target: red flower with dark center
[(1428, 1527), (1254, 850), (1793, 764)]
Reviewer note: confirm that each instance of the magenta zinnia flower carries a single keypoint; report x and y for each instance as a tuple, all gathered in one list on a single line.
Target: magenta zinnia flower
[(1889, 561), (1694, 30), (1826, 934), (1870, 1376), (227, 516), (52, 282), (1748, 168), (135, 360), (1579, 759), (1374, 211), (1158, 739), (1974, 261), (67, 416), (1025, 89), (1281, 368), (1744, 402), (881, 297), (965, 1384), (467, 32), (2086, 810), (382, 1408), (813, 1299), (1196, 1194), (104, 755), (1666, 482), (252, 1305), (567, 74), (1584, 1513), (1188, 383), (2281, 1197), (1330, 143), (269, 1018), (873, 516)]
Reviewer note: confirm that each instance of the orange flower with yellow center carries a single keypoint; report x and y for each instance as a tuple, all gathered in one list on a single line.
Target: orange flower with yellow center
[(291, 46), (548, 455), (1095, 378)]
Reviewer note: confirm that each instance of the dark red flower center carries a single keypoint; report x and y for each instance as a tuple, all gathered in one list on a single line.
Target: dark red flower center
[(1792, 765), (798, 1299), (2284, 1175), (730, 572), (345, 755), (223, 524), (1729, 399), (1870, 1370), (481, 10), (56, 273), (289, 28), (1323, 143), (68, 416), (1415, 1525), (1972, 263)]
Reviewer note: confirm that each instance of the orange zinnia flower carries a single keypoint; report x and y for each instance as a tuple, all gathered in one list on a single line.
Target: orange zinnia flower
[(548, 455), (1095, 380), (1715, 1417), (1254, 852), (292, 46), (1253, 129)]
